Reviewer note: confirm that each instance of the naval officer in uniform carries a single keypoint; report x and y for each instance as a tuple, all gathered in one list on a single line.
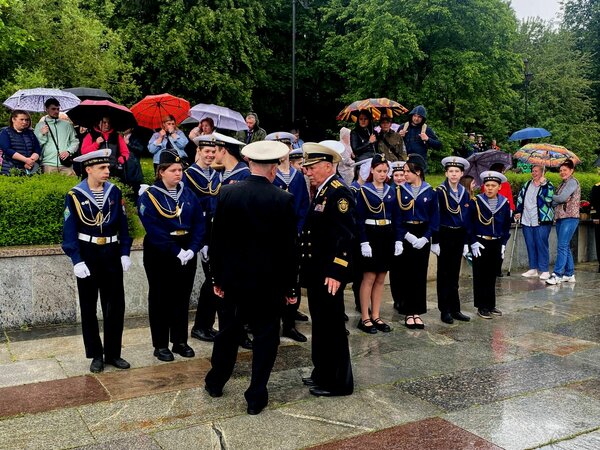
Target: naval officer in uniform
[(96, 238)]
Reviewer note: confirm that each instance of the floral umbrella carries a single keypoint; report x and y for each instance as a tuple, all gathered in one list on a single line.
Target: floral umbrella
[(547, 155), (149, 112), (33, 100), (376, 106)]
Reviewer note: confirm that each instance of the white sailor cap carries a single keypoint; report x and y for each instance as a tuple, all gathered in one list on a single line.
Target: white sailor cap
[(296, 154), (281, 136), (491, 175), (215, 138), (95, 157), (334, 145), (456, 161)]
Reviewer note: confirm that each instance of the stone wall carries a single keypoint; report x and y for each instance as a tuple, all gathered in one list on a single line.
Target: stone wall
[(37, 285)]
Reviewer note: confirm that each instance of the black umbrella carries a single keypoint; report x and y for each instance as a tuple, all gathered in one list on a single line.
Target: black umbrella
[(482, 161), (86, 93), (89, 112)]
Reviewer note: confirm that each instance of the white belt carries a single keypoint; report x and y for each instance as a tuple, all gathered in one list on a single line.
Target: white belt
[(99, 240), (377, 221)]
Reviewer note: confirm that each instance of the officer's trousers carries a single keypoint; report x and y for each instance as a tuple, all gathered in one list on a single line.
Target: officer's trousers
[(452, 241), (104, 263), (208, 302)]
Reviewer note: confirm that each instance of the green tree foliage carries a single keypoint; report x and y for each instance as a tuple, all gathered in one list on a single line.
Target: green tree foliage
[(560, 91)]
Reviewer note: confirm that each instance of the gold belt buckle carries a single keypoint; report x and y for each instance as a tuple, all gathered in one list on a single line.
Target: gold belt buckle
[(101, 240), (381, 222), (180, 232)]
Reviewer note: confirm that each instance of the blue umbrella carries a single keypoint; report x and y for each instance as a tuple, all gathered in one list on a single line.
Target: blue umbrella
[(32, 100), (529, 133)]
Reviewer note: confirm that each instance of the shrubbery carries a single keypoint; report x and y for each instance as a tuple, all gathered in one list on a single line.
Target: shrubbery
[(31, 209)]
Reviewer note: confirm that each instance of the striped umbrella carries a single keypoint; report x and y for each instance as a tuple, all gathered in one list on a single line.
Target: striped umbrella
[(376, 106), (547, 155), (150, 111)]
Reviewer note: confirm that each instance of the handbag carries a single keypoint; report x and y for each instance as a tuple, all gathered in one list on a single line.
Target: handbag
[(68, 161)]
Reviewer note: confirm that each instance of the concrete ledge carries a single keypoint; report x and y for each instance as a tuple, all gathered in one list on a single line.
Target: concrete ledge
[(37, 285)]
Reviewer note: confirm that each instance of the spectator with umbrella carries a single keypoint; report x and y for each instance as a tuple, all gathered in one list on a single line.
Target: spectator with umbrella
[(418, 137), (363, 138), (20, 147), (104, 136), (168, 138)]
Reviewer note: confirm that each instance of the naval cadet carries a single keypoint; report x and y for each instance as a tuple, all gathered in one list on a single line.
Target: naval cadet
[(254, 276), (419, 219), (292, 181), (449, 243), (488, 231), (96, 238), (205, 182), (326, 246), (175, 227)]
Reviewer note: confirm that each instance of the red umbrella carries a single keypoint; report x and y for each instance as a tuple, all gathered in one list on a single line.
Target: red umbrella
[(89, 112), (149, 112)]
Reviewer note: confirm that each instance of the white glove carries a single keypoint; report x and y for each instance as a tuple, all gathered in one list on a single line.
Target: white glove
[(143, 188), (366, 249), (465, 250), (125, 262), (435, 249), (398, 248), (475, 249), (189, 255), (204, 253), (420, 243), (183, 256), (411, 238), (81, 270), (502, 251)]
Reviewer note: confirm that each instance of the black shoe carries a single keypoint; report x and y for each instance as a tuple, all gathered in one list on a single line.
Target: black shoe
[(246, 343), (202, 335), (300, 317), (214, 393), (412, 325), (184, 350), (447, 318), (294, 334), (308, 381), (119, 363), (97, 365), (381, 325), (254, 410), (484, 313), (163, 354), (369, 329), (319, 392), (418, 325), (460, 316), (495, 312)]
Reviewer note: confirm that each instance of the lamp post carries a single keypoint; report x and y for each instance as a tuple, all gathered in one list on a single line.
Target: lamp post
[(528, 78)]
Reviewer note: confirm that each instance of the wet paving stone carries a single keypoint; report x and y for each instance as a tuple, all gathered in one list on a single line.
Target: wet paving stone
[(555, 344), (587, 441), (590, 388), (49, 395), (490, 384), (140, 442), (25, 372), (431, 434), (587, 328)]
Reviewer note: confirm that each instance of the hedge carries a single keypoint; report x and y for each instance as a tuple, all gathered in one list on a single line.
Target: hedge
[(31, 209)]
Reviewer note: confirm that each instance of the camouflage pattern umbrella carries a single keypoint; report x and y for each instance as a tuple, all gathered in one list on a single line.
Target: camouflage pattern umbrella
[(547, 155), (376, 106)]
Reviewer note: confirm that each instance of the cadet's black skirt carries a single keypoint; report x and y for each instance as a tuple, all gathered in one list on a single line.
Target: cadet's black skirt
[(381, 239)]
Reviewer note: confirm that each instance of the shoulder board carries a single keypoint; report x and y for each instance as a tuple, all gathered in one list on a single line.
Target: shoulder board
[(336, 184)]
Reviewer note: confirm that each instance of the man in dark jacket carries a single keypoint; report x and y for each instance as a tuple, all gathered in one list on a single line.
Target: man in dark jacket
[(254, 132), (418, 137), (253, 275)]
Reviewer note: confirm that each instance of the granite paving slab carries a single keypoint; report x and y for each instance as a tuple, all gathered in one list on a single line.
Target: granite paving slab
[(198, 437), (4, 353), (531, 420), (52, 430), (575, 308), (31, 371), (166, 377), (139, 442), (590, 388), (489, 384), (587, 441), (49, 395), (555, 344), (430, 434), (587, 328), (590, 357), (47, 348)]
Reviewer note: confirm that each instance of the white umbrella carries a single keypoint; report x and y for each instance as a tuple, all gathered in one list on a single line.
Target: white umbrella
[(33, 100), (224, 118)]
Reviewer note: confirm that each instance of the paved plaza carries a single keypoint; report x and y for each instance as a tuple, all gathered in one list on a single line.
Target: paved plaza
[(528, 379)]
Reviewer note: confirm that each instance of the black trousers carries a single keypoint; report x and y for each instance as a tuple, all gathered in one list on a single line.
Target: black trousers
[(330, 352), (263, 319), (208, 303), (414, 276), (452, 241), (170, 287), (485, 268), (104, 263), (597, 232), (288, 312)]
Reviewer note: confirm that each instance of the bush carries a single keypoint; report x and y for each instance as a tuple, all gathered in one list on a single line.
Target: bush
[(31, 209)]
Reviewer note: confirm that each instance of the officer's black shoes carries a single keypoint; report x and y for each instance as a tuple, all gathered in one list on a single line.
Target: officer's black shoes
[(214, 393), (308, 381), (119, 363), (484, 313), (163, 354), (381, 325), (246, 343), (320, 392), (97, 365), (495, 312), (460, 316), (366, 326), (447, 318), (255, 409), (418, 322), (294, 334), (300, 317), (184, 350), (202, 334)]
